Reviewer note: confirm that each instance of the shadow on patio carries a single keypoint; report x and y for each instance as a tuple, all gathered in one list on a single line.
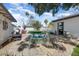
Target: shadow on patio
[(6, 43), (22, 46)]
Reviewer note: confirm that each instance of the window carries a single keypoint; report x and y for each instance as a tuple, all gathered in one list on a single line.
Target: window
[(5, 25)]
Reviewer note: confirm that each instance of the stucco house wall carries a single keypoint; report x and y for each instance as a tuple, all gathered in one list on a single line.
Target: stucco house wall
[(5, 24), (4, 34), (71, 25)]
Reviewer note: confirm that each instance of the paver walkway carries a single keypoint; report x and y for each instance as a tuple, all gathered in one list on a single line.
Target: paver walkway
[(16, 49)]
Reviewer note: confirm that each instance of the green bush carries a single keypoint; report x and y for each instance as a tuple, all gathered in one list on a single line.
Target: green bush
[(75, 52)]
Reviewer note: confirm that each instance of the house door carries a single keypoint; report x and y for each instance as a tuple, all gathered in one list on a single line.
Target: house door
[(60, 28)]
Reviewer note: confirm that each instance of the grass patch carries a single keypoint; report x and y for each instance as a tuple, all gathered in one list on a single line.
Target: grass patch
[(75, 51)]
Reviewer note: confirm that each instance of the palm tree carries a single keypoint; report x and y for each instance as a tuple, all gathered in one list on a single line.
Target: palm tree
[(46, 21), (30, 19), (27, 14)]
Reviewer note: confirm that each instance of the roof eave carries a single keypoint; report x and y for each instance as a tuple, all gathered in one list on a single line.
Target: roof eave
[(11, 17), (66, 18)]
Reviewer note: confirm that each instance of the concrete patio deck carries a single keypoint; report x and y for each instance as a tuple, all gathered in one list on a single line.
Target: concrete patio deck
[(16, 49)]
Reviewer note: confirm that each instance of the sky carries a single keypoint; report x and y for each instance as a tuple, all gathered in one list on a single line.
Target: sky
[(18, 11)]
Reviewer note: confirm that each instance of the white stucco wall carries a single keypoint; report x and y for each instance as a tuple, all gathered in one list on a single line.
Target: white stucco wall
[(4, 34), (71, 25), (1, 33)]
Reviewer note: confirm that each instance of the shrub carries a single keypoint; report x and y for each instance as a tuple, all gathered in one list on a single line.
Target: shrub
[(75, 52)]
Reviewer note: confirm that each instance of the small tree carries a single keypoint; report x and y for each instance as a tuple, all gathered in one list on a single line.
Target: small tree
[(36, 24)]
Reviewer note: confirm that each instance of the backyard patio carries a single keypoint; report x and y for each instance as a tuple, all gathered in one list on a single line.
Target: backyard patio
[(36, 36)]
